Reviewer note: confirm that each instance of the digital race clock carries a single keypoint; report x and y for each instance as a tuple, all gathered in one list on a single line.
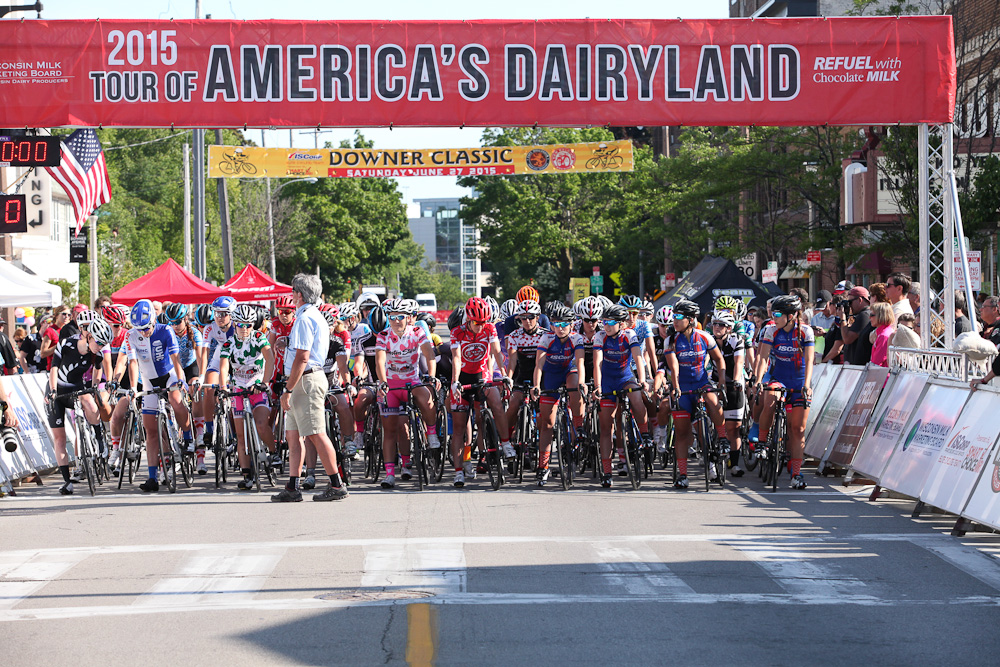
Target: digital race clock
[(13, 214), (29, 151)]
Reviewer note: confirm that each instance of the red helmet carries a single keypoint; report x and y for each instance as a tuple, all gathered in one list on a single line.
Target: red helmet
[(527, 293), (284, 302), (478, 310), (113, 315), (323, 307)]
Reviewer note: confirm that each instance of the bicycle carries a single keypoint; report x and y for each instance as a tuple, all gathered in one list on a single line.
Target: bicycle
[(85, 440), (133, 441), (372, 438), (493, 455), (333, 430), (525, 439), (590, 435), (235, 162), (278, 428), (705, 435), (630, 432), (166, 427), (749, 449), (774, 454), (220, 433), (429, 467), (442, 421), (565, 446), (253, 446)]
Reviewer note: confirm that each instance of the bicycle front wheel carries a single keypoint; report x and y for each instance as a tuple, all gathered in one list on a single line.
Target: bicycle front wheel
[(561, 448), (494, 457), (633, 452)]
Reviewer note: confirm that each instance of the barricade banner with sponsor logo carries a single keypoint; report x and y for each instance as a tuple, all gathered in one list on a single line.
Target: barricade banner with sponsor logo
[(887, 424), (35, 446), (984, 502), (254, 162), (34, 388), (824, 377), (845, 443), (924, 436), (966, 451), (201, 73), (833, 411)]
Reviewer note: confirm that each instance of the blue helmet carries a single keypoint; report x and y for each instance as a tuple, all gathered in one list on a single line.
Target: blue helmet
[(224, 303), (630, 301), (142, 316)]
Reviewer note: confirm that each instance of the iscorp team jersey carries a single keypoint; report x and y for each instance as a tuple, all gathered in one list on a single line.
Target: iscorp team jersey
[(153, 353), (402, 353), (246, 358), (618, 351), (788, 364), (559, 354), (525, 346), (475, 347), (692, 356)]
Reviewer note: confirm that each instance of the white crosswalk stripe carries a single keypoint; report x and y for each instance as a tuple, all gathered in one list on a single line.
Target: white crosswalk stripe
[(208, 574), (432, 568), (797, 571), (638, 570), (22, 574)]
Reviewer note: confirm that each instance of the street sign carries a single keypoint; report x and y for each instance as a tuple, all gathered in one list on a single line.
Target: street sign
[(78, 247), (814, 257), (596, 284), (769, 276), (597, 270), (579, 287), (975, 258), (748, 265), (669, 280)]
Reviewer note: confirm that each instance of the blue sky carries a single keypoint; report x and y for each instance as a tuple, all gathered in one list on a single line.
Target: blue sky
[(397, 10)]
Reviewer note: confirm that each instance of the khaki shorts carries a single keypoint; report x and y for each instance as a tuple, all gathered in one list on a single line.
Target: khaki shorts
[(306, 413)]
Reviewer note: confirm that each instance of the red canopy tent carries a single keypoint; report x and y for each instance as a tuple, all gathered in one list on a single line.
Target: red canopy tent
[(169, 282), (252, 284)]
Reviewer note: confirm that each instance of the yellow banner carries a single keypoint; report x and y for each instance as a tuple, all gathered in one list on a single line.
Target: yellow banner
[(580, 288), (254, 162)]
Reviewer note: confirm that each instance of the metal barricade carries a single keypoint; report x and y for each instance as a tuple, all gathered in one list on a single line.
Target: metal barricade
[(938, 362)]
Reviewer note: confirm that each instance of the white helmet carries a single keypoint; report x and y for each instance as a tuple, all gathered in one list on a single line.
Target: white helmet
[(725, 317), (349, 309), (665, 315), (507, 309), (367, 300), (85, 317), (589, 308), (528, 308)]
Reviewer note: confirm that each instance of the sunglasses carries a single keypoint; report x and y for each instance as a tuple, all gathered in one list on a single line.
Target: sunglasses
[(610, 323), (590, 320), (678, 316), (242, 325), (285, 311), (720, 324), (219, 314), (478, 321), (397, 318), (633, 312), (561, 325), (524, 318), (778, 314)]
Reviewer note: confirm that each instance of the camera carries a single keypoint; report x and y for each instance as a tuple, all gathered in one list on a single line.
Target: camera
[(9, 437)]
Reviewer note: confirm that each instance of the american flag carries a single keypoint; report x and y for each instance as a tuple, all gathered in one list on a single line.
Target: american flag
[(83, 174)]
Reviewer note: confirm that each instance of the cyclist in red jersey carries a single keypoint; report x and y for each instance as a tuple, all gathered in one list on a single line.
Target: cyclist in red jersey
[(473, 346)]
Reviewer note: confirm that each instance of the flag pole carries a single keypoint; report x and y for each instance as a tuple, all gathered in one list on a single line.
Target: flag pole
[(94, 278)]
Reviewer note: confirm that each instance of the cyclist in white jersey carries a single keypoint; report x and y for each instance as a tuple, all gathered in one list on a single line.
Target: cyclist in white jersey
[(215, 334)]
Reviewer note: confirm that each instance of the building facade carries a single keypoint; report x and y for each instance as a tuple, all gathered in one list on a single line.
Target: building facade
[(450, 242)]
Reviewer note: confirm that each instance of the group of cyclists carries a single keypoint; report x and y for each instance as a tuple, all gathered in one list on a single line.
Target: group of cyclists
[(611, 370)]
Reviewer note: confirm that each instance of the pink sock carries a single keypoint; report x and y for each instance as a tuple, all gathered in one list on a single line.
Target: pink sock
[(390, 469), (432, 429), (359, 426), (406, 461)]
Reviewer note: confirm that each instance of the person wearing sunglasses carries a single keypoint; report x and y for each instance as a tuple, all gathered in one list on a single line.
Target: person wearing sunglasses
[(688, 351), (153, 353), (362, 348), (588, 312), (664, 320), (522, 347), (244, 361), (117, 317), (733, 346), (787, 352), (615, 348), (277, 336), (50, 337), (218, 332), (475, 349)]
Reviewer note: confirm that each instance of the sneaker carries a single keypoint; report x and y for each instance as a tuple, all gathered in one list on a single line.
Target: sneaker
[(459, 479), (150, 485), (622, 469), (331, 492), (723, 448), (189, 446), (543, 476), (606, 480), (115, 458), (753, 435), (309, 483), (66, 489), (77, 476), (798, 483), (406, 473), (712, 474), (433, 442), (681, 483), (389, 482), (276, 460), (470, 470), (287, 495), (508, 450), (246, 484), (202, 470), (356, 443), (736, 471)]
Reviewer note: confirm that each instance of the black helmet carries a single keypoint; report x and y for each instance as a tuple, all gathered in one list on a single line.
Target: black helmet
[(559, 312), (615, 312), (377, 320), (687, 308), (203, 315), (456, 318), (161, 318), (427, 319), (786, 304), (175, 312)]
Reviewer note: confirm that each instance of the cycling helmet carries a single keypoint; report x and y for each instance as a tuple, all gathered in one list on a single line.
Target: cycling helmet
[(787, 304), (412, 305), (142, 314), (456, 318), (494, 308), (646, 307), (398, 306), (726, 302), (349, 310), (725, 316), (203, 315), (323, 307), (161, 318), (741, 312), (605, 301), (101, 331), (477, 310), (85, 317), (630, 301), (226, 304), (245, 314), (377, 321), (665, 315), (559, 312), (427, 319), (507, 309), (550, 308), (124, 310), (687, 308), (113, 315), (330, 317), (528, 308), (589, 308), (175, 312), (527, 293), (616, 313), (366, 300), (285, 301)]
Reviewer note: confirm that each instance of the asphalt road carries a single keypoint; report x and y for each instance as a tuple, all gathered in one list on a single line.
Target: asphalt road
[(520, 576)]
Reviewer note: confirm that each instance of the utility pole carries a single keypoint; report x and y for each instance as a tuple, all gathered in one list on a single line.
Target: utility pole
[(666, 150), (198, 137), (187, 206), (227, 241), (270, 213), (95, 283)]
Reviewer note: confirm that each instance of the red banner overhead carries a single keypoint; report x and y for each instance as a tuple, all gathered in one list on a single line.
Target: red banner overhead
[(841, 71)]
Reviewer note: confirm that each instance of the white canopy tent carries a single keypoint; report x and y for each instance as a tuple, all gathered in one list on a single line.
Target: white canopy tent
[(18, 288)]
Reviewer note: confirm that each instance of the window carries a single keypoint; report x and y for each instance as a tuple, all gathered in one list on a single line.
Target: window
[(62, 219)]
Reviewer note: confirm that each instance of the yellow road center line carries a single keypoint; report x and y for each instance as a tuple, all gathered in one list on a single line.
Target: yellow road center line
[(421, 634)]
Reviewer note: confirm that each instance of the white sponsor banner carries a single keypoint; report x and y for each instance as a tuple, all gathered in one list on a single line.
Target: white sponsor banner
[(35, 444), (926, 432), (824, 376), (965, 453), (984, 503), (887, 424), (34, 385), (836, 404)]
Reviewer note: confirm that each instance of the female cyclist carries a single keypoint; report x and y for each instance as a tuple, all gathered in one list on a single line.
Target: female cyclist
[(247, 357), (688, 350), (189, 345), (786, 351), (664, 320), (559, 363), (215, 334), (732, 345), (522, 346)]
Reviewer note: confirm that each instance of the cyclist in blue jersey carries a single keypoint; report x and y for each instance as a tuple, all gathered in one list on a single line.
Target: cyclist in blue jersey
[(614, 350), (687, 352), (786, 350), (152, 350), (643, 331)]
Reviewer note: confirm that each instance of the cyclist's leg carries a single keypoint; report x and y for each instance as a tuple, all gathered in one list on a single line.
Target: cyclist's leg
[(247, 466), (638, 409), (496, 407), (683, 434), (57, 423), (389, 412), (766, 413), (459, 420), (609, 410), (152, 438), (208, 401), (516, 399), (361, 403), (546, 422), (345, 416), (796, 432)]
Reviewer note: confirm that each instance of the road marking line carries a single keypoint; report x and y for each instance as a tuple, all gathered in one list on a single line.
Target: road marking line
[(434, 568), (421, 634), (797, 571), (207, 573), (637, 569), (970, 560), (34, 570)]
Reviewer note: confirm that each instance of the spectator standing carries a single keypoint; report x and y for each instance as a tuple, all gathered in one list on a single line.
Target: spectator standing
[(897, 288), (905, 336), (855, 327), (7, 351), (304, 396), (50, 337), (71, 328), (884, 321), (962, 321), (913, 296), (833, 344), (822, 319), (806, 313), (990, 314), (877, 292)]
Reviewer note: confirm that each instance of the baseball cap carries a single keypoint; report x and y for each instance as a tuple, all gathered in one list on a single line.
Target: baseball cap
[(823, 297), (843, 286), (860, 291), (79, 308)]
